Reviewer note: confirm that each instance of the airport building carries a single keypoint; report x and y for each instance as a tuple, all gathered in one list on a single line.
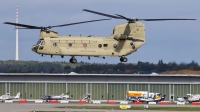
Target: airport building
[(100, 86)]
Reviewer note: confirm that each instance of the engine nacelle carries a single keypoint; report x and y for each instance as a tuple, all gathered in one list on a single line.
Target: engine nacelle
[(120, 37)]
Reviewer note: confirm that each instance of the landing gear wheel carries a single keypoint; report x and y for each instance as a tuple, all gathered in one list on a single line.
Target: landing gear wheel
[(73, 60), (123, 59)]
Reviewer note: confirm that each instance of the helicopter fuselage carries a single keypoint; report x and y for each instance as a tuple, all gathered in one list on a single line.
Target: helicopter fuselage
[(86, 46), (122, 42)]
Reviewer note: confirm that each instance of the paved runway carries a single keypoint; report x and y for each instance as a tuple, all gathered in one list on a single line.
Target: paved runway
[(28, 107)]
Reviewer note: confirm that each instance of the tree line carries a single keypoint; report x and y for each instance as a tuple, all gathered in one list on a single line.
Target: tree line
[(12, 66)]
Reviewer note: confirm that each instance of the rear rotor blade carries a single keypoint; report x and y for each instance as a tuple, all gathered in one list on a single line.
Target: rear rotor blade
[(129, 19), (162, 19), (23, 25), (78, 23), (99, 13)]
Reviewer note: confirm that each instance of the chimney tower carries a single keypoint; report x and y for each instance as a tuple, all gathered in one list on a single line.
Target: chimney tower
[(17, 15)]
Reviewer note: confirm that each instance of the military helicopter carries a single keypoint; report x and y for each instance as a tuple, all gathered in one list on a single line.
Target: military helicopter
[(125, 39)]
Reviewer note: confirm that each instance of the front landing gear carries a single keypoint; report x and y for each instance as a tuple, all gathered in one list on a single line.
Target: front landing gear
[(123, 59), (73, 60)]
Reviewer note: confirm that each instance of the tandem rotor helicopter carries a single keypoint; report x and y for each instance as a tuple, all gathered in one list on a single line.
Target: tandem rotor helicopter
[(125, 40)]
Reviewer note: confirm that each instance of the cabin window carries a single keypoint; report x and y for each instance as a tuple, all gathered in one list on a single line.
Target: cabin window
[(99, 45), (105, 45), (54, 44), (70, 44), (47, 31), (115, 45)]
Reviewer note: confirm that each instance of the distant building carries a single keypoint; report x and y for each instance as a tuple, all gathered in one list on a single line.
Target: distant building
[(100, 86)]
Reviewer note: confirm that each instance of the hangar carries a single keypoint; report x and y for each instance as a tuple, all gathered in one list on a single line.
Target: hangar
[(100, 86)]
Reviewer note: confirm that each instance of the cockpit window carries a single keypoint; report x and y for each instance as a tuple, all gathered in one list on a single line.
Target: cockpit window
[(42, 42), (38, 42), (113, 31)]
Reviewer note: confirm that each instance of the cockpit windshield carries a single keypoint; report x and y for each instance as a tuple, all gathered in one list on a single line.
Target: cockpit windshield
[(41, 42), (38, 42)]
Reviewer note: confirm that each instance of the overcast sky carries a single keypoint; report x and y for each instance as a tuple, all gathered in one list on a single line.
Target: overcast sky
[(171, 41)]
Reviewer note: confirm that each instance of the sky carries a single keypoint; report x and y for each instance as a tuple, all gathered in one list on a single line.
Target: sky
[(171, 41)]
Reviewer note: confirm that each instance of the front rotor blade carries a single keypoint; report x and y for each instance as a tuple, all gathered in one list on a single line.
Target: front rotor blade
[(99, 13), (78, 23), (27, 28), (23, 25), (162, 19)]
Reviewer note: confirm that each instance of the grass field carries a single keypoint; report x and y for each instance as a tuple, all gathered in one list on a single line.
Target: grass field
[(186, 72)]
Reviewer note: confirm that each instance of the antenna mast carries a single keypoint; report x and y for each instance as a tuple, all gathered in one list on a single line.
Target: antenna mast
[(16, 55)]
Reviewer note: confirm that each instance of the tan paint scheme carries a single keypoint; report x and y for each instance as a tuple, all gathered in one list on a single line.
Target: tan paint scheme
[(119, 37)]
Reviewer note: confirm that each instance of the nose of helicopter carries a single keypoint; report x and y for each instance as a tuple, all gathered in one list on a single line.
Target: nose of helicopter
[(34, 48)]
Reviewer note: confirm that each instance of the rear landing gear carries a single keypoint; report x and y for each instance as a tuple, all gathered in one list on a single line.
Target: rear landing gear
[(73, 60), (123, 59)]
